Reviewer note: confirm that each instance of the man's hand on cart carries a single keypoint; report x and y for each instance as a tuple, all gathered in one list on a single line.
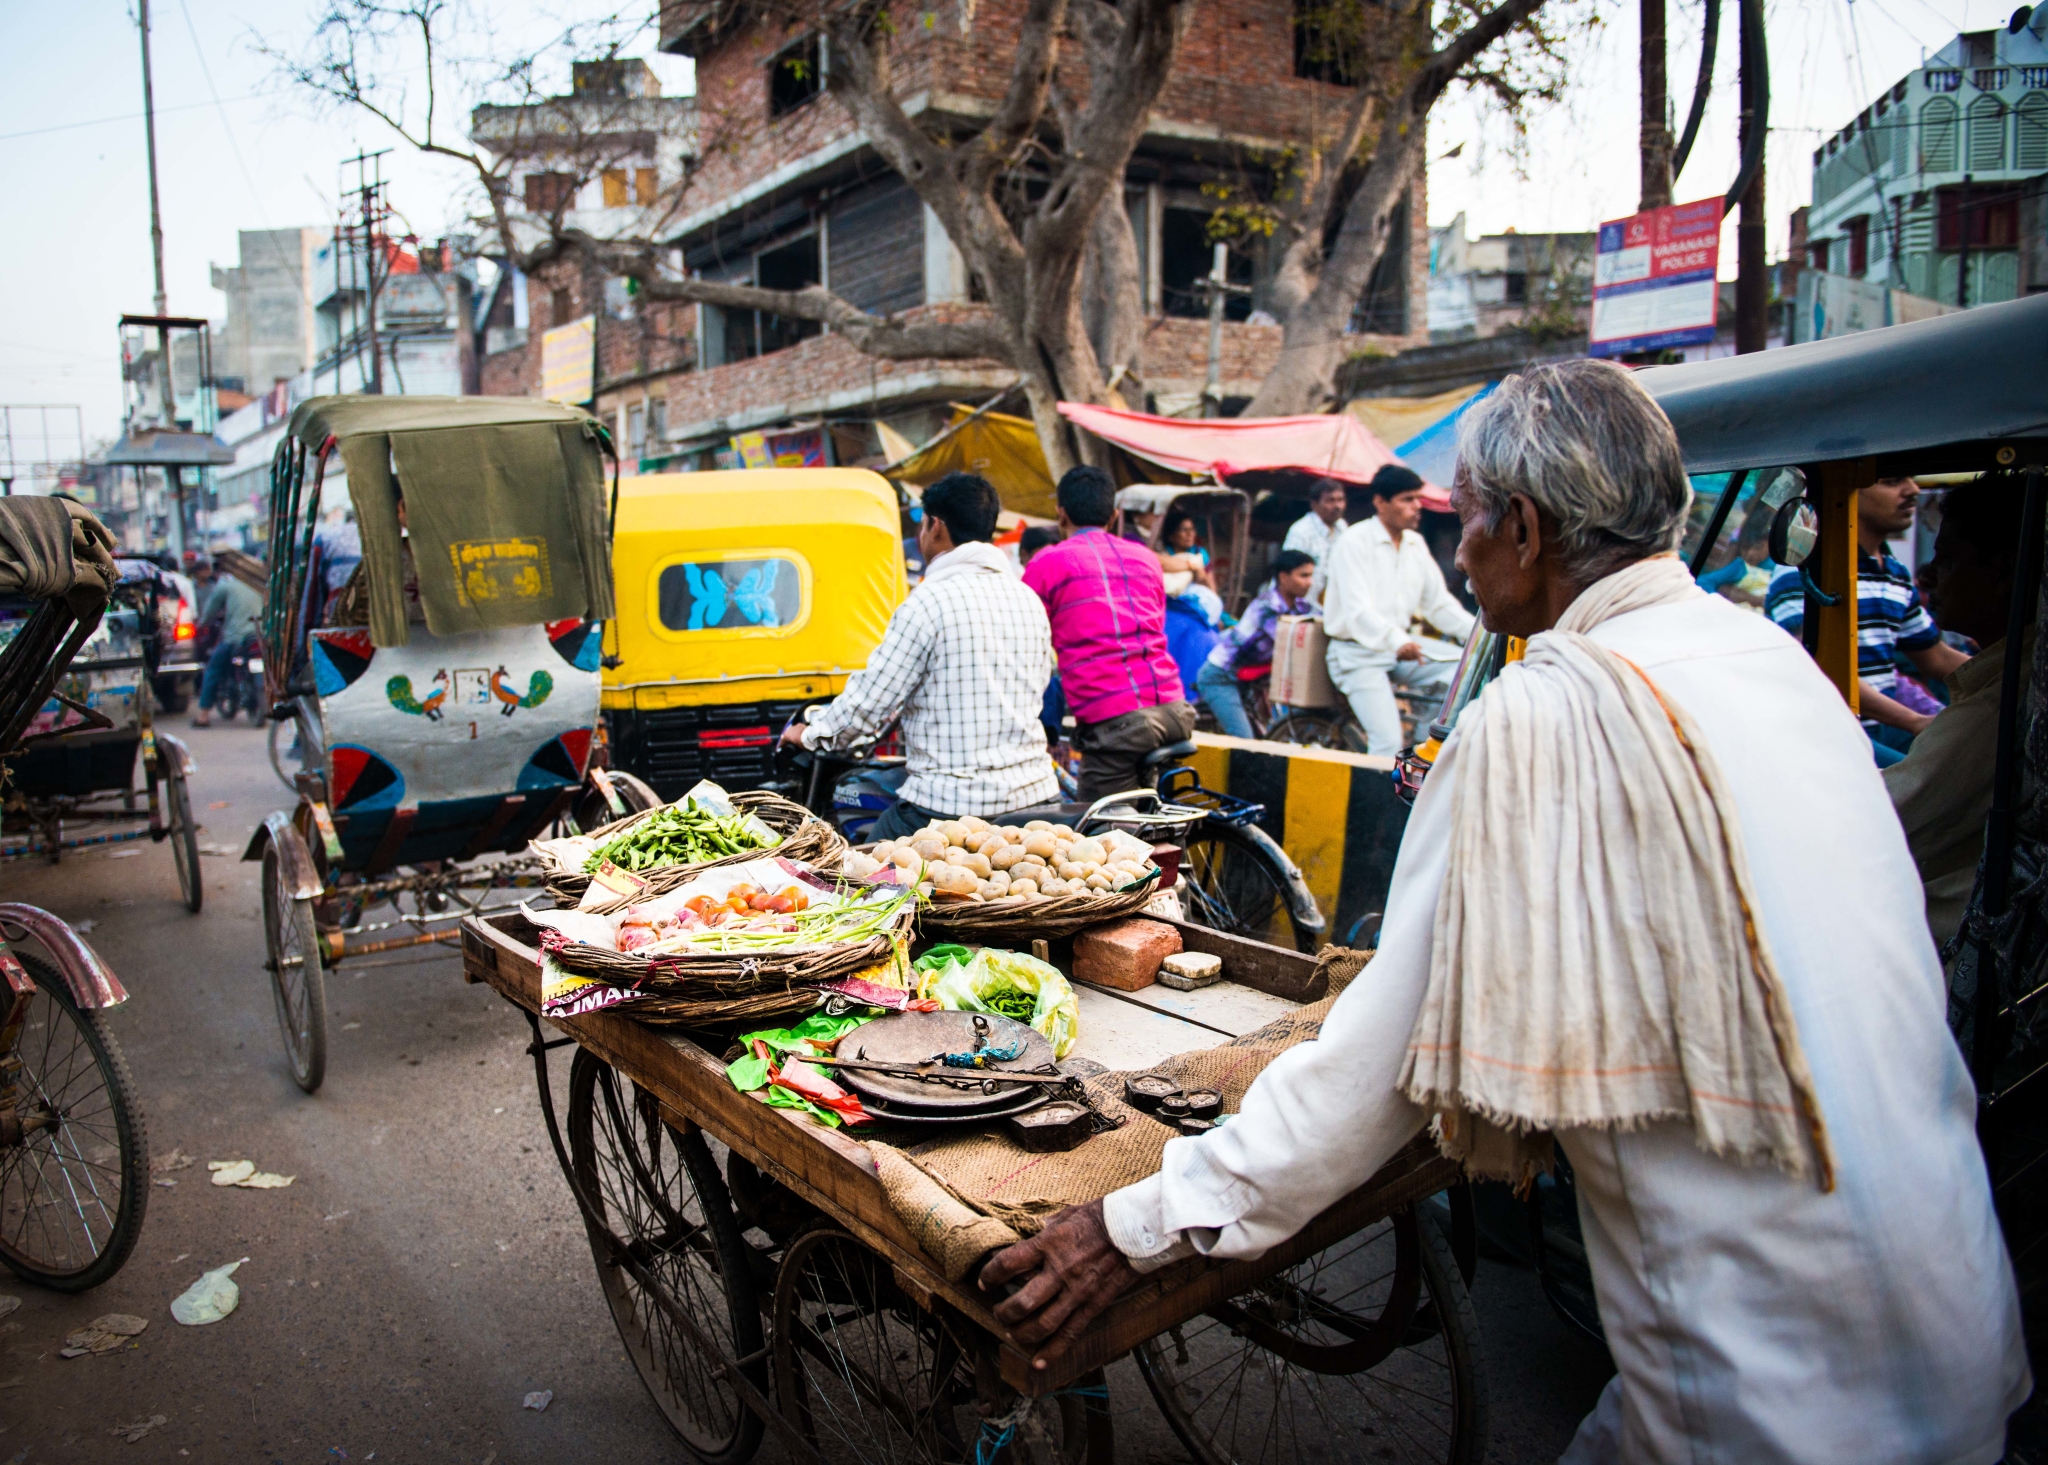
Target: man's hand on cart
[(1071, 1272)]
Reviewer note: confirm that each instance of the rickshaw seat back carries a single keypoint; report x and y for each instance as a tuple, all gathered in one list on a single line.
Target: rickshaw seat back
[(440, 733), (741, 597)]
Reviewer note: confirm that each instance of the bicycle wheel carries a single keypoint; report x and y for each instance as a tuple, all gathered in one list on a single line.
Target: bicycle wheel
[(184, 837), (663, 1204), (1228, 882), (1366, 1350), (593, 811), (870, 1377), (73, 1189), (1330, 727), (297, 977)]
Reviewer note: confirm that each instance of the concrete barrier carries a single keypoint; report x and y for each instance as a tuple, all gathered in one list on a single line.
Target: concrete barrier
[(1336, 815)]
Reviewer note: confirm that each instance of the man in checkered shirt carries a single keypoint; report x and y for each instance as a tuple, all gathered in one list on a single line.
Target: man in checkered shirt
[(964, 665)]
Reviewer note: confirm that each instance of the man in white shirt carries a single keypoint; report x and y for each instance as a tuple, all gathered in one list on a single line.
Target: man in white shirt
[(1381, 576), (1314, 532), (964, 664), (1843, 1296)]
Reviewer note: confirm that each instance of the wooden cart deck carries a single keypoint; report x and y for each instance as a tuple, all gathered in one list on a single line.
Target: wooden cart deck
[(835, 1173)]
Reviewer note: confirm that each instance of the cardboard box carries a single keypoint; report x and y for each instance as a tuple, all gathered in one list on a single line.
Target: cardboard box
[(1301, 675)]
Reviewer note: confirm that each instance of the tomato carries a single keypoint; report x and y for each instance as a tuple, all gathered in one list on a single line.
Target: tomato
[(759, 901), (783, 904)]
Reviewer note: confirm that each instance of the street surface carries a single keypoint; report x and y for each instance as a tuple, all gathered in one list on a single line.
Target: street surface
[(426, 1270)]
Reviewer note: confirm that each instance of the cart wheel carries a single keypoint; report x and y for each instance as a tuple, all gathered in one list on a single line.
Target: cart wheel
[(296, 975), (1320, 728), (665, 1207), (184, 837), (72, 1192), (868, 1376), (1366, 1350)]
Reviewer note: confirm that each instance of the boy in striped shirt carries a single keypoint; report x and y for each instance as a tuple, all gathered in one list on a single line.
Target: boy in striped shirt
[(1890, 618)]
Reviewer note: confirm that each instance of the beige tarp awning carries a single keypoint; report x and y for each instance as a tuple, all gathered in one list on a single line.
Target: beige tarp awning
[(1001, 448), (1397, 419)]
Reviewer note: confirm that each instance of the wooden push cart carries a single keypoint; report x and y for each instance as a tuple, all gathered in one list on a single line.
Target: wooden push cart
[(782, 1292)]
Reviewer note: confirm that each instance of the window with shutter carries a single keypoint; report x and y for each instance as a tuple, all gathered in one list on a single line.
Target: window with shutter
[(644, 186), (1987, 135), (1938, 136), (614, 187), (2030, 131)]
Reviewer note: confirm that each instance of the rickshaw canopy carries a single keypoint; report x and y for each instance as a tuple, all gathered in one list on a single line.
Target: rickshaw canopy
[(751, 585), (504, 503), (1227, 513), (1907, 395)]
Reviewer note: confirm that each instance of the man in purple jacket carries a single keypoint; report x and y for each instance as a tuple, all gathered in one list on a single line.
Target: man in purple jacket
[(1106, 600)]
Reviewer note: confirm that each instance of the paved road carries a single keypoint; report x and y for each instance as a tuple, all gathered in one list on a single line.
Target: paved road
[(425, 1271)]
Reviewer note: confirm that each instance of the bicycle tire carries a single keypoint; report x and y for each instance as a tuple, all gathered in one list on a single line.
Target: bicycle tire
[(647, 1203), (184, 837), (1320, 728), (129, 1141), (1286, 1344), (1228, 882), (298, 977)]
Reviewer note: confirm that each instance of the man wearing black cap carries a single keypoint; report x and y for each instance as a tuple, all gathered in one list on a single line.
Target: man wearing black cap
[(1382, 577)]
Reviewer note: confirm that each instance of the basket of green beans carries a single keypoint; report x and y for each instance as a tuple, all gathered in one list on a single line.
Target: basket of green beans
[(666, 846)]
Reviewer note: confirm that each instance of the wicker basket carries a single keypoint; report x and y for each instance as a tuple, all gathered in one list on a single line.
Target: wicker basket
[(805, 837), (710, 989), (1024, 917)]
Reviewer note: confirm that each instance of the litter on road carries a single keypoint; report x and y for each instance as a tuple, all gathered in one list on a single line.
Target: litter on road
[(209, 1299), (136, 1430), (8, 1304), (177, 1159), (244, 1173), (103, 1334), (540, 1399)]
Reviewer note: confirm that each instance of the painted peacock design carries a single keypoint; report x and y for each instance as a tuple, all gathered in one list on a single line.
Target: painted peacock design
[(509, 700), (399, 691)]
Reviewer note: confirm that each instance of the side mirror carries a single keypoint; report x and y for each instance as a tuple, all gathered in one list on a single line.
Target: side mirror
[(1784, 486), (1794, 532)]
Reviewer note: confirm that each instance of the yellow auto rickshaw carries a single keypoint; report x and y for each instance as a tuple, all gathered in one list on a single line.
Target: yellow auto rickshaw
[(742, 597)]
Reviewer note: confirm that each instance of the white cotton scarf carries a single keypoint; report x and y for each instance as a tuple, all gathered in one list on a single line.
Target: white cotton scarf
[(1596, 961), (962, 559)]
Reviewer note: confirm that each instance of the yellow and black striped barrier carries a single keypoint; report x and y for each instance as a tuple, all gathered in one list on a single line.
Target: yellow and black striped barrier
[(1336, 815)]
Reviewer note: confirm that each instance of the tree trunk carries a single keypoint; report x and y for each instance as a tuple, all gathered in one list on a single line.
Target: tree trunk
[(1655, 141), (1314, 343), (1113, 289)]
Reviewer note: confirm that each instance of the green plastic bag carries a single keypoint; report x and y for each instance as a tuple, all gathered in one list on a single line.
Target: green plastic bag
[(963, 983)]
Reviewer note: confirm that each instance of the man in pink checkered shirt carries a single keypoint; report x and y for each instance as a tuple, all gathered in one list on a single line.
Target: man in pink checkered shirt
[(1106, 600)]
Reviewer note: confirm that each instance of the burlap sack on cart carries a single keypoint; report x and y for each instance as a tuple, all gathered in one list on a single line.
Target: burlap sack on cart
[(966, 1197)]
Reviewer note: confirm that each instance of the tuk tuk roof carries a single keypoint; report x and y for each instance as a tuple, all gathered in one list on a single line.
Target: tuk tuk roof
[(1973, 380), (319, 418)]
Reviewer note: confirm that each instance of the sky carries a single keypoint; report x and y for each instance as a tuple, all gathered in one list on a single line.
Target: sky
[(239, 148)]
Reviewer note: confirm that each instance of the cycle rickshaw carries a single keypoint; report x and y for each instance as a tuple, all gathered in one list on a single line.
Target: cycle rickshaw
[(445, 697), (74, 1157), (91, 745)]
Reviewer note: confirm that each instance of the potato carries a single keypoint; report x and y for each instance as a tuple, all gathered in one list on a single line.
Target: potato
[(952, 831), (1071, 871), (905, 857), (955, 879), (1033, 825), (858, 866), (882, 851), (1040, 843), (1061, 851), (1099, 882), (930, 849), (1087, 851), (955, 856), (974, 822), (975, 839), (1006, 856), (1023, 887), (1090, 867), (1000, 877), (1064, 831)]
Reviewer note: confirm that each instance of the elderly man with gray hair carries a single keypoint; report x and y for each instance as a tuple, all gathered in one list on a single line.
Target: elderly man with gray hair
[(1652, 908)]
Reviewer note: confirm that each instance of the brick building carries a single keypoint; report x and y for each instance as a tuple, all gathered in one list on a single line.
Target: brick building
[(784, 191)]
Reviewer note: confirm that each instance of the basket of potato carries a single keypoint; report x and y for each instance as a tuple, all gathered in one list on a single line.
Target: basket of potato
[(1040, 879)]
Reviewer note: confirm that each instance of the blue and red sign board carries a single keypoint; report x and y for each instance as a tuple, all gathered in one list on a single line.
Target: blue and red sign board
[(1653, 279)]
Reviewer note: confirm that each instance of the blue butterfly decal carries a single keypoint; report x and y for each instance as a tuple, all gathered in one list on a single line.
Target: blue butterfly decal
[(753, 597)]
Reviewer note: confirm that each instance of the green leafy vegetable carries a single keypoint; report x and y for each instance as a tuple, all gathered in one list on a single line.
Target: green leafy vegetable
[(686, 833)]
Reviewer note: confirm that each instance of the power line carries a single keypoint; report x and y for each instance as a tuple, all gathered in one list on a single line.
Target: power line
[(126, 116)]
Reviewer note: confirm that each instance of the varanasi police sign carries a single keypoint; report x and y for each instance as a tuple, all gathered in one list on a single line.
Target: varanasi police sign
[(1653, 279)]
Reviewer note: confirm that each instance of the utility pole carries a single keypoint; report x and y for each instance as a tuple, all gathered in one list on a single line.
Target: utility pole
[(370, 201), (1655, 135), (1752, 284), (1219, 290), (168, 412)]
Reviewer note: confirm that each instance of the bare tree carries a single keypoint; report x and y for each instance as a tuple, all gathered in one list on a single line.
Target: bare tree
[(1019, 198), (1320, 223)]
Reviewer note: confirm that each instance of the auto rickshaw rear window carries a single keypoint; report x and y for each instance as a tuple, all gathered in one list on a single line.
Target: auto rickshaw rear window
[(715, 592)]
